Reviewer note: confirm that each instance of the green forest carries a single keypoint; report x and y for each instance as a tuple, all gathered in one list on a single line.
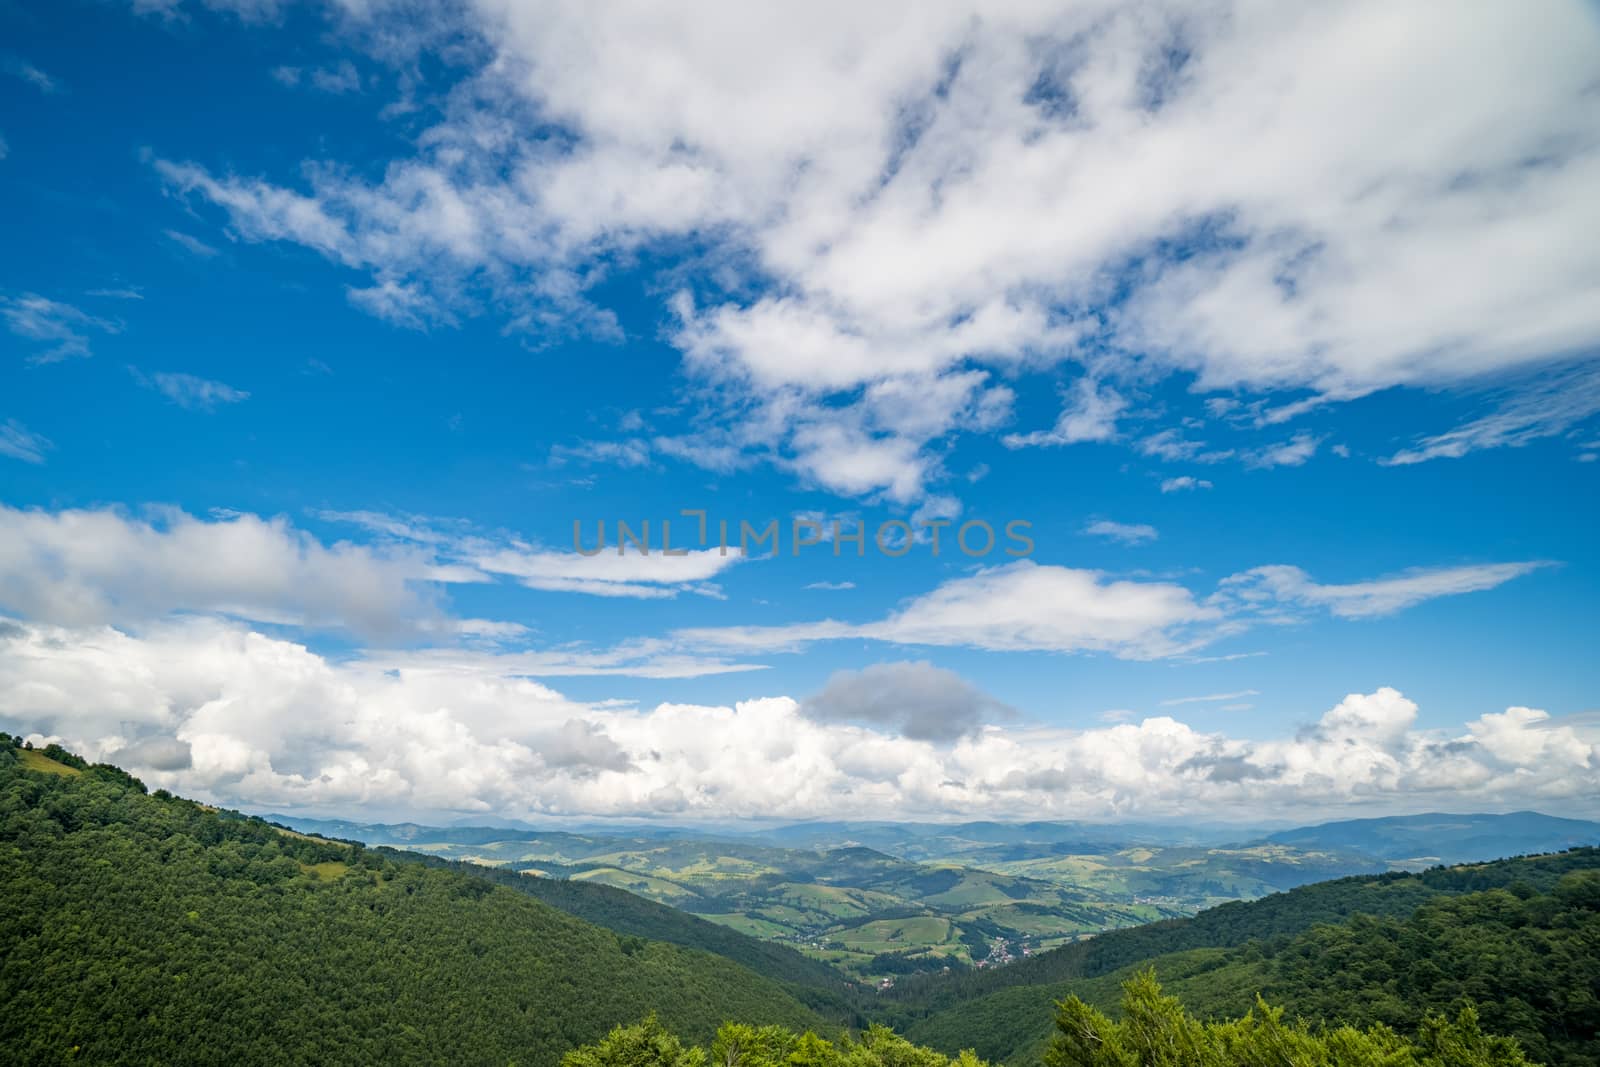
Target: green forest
[(1153, 1030), (145, 928)]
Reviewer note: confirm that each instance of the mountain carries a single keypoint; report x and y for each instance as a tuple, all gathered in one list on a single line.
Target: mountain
[(1424, 840), (869, 914), (811, 981), (1519, 938), (150, 929)]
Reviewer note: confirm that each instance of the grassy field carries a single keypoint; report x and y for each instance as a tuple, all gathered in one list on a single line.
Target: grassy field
[(34, 761)]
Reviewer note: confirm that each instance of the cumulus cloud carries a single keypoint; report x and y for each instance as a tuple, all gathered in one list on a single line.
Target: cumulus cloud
[(914, 699), (79, 567), (893, 193), (1090, 415), (1030, 607), (1021, 606), (1183, 482), (240, 718), (82, 567)]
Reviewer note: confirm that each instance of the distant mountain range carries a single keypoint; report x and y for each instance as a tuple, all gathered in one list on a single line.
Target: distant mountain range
[(1421, 840), (1398, 840)]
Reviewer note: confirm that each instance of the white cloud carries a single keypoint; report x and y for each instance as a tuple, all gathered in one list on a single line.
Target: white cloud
[(249, 11), (612, 567), (1213, 698), (896, 192), (62, 329), (1543, 409), (1277, 585), (245, 719), (1026, 606), (1183, 482), (1127, 533), (341, 78), (1021, 606), (607, 573), (832, 586), (19, 442), (25, 71), (83, 567), (189, 391), (1291, 453), (1090, 415), (403, 304), (190, 244)]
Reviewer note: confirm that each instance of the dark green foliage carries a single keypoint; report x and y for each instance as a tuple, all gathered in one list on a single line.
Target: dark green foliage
[(913, 963), (811, 982), (1155, 1031), (1528, 960), (1394, 895), (141, 930), (649, 1044), (150, 929)]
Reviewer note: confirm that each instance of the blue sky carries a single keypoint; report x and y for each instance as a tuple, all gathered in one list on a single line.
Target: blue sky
[(325, 323)]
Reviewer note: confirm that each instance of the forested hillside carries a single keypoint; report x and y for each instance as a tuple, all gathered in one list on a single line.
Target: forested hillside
[(1154, 1030), (1519, 939), (810, 981), (150, 929)]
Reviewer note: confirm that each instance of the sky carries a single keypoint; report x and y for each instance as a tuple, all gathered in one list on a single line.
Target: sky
[(1165, 410)]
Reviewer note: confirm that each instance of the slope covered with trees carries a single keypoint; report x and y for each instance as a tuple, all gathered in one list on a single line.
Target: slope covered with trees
[(151, 929), (1154, 1031), (1518, 939), (811, 981)]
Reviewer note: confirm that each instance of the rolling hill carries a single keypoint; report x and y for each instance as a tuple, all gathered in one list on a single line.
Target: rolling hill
[(1518, 938), (150, 929), (1425, 840), (870, 914)]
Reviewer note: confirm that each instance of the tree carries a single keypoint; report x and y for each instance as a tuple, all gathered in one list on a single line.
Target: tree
[(1156, 1031)]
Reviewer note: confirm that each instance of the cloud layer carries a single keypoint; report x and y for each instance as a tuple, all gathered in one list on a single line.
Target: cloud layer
[(214, 710), (82, 567), (890, 196)]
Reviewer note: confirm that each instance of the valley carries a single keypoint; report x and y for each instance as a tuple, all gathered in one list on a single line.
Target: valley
[(877, 917)]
